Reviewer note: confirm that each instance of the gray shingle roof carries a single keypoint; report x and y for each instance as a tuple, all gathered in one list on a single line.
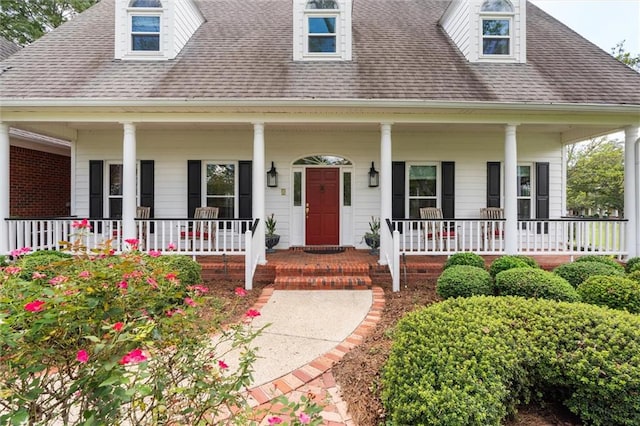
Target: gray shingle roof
[(7, 48), (244, 51)]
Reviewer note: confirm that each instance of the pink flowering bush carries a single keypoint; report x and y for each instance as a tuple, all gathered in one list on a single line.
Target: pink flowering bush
[(103, 339)]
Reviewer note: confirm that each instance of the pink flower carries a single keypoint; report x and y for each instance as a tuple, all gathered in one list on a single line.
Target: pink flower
[(20, 252), (240, 292), (275, 420), (155, 253), (35, 306), (134, 357), (58, 280), (304, 418), (123, 284), (12, 270), (175, 312), (223, 365), (84, 274), (118, 326), (82, 356), (252, 313), (189, 301), (133, 242), (152, 282), (38, 275), (83, 224), (198, 288), (171, 247)]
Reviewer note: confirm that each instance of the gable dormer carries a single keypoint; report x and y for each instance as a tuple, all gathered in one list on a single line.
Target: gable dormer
[(488, 30), (154, 29), (322, 30)]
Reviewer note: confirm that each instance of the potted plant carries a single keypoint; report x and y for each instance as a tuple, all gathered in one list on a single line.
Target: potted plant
[(372, 238), (271, 239)]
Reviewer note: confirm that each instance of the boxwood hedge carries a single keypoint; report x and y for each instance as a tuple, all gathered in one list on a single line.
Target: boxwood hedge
[(633, 264), (188, 270), (504, 263), (471, 361), (464, 281), (614, 292), (465, 258), (602, 259), (45, 261), (577, 272), (528, 282)]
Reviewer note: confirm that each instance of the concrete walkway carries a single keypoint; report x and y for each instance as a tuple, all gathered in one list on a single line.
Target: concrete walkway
[(310, 331)]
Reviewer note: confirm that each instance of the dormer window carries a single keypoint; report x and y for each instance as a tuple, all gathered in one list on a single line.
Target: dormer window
[(145, 18), (322, 30), (321, 19), (497, 28)]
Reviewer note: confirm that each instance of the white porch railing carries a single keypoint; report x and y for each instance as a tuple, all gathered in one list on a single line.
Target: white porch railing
[(252, 256), (181, 236), (535, 236)]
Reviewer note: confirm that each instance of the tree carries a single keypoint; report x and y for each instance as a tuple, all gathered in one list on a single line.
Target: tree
[(595, 175), (24, 21), (625, 57)]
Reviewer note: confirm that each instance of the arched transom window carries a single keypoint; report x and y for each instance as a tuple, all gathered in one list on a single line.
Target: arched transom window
[(145, 3), (497, 27)]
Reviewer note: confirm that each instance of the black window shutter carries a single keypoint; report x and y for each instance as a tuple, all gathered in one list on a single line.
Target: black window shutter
[(147, 184), (448, 200), (542, 193), (96, 187), (245, 187), (493, 184), (397, 190), (194, 186)]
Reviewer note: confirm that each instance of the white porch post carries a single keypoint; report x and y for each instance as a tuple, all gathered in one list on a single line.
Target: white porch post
[(510, 190), (385, 190), (258, 196), (631, 135), (4, 188), (129, 181)]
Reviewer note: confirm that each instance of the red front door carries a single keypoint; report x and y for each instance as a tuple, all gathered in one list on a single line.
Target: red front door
[(323, 206)]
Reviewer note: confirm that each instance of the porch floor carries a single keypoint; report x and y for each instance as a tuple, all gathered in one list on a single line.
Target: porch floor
[(351, 269)]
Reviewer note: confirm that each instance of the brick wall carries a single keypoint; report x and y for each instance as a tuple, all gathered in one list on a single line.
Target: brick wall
[(40, 183)]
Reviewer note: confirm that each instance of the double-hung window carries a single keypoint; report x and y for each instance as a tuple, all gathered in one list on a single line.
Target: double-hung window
[(115, 182), (145, 20), (221, 184), (497, 28), (321, 26), (423, 188), (524, 191)]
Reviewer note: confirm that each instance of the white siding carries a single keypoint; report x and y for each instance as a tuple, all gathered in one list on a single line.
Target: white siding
[(456, 22), (171, 149), (187, 20)]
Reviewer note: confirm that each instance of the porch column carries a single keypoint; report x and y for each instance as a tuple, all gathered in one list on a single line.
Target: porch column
[(4, 188), (129, 182), (631, 135), (385, 190), (510, 190), (258, 197)]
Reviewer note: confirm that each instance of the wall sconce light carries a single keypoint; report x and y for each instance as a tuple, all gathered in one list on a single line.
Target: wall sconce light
[(374, 177), (272, 177)]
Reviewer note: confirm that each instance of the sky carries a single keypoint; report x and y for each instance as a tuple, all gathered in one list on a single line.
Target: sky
[(603, 22)]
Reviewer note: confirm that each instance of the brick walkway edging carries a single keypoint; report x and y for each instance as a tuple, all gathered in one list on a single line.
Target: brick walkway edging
[(315, 378)]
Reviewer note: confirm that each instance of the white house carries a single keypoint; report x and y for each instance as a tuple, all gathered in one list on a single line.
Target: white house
[(460, 105)]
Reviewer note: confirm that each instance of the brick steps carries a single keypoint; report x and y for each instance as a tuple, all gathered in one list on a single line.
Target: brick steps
[(329, 275)]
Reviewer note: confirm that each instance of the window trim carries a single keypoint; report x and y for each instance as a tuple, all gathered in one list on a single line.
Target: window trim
[(107, 182), (409, 197), (530, 197), (236, 185), (144, 12)]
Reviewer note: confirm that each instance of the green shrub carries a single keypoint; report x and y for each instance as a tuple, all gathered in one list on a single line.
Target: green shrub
[(45, 262), (465, 258), (632, 265), (507, 262), (471, 361), (527, 259), (464, 281), (614, 292), (602, 259), (577, 272), (528, 282), (3, 261), (634, 275), (187, 269)]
